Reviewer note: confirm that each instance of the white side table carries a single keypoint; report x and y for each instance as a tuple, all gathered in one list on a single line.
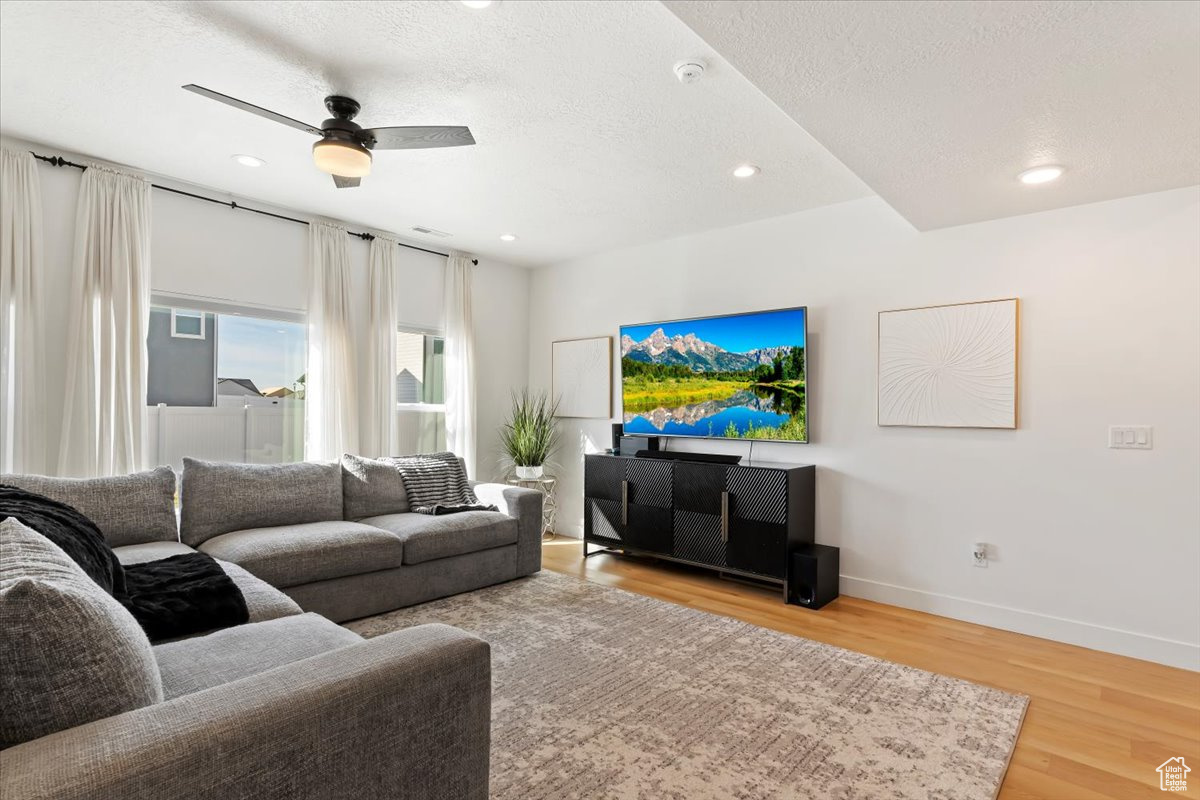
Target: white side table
[(546, 485)]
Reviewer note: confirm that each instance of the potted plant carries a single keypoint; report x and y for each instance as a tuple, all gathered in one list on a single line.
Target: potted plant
[(529, 435)]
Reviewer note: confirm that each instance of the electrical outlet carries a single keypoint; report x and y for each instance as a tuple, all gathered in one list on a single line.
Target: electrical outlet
[(979, 554)]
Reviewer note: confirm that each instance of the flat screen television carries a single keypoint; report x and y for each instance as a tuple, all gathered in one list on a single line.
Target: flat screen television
[(738, 376)]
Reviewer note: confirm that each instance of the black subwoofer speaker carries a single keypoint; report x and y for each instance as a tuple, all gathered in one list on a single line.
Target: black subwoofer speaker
[(813, 575)]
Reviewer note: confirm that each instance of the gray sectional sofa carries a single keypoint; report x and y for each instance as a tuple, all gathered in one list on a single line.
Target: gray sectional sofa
[(290, 704), (339, 539)]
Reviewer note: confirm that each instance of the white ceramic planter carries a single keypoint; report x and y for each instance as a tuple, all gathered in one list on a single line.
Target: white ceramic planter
[(530, 473)]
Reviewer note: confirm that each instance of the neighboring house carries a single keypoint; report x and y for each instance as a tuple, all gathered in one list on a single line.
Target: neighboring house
[(181, 367), (242, 392), (408, 388), (237, 387)]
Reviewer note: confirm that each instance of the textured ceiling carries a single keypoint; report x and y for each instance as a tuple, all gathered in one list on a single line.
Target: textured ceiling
[(586, 140), (938, 105)]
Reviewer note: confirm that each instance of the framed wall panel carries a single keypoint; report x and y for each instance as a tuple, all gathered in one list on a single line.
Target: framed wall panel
[(952, 366), (581, 376)]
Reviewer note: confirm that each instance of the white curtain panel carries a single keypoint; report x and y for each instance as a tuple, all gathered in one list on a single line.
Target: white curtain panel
[(460, 360), (22, 423), (379, 385), (104, 425), (331, 389)]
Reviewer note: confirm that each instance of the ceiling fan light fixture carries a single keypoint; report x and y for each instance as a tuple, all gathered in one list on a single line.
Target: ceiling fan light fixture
[(347, 159)]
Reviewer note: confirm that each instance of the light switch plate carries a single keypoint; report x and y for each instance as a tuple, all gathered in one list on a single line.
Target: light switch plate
[(1131, 437)]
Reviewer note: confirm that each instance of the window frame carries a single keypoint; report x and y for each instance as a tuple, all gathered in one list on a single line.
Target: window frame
[(218, 305), (188, 313), (428, 408)]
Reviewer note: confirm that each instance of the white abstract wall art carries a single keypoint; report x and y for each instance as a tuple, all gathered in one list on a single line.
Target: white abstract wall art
[(952, 366), (581, 376)]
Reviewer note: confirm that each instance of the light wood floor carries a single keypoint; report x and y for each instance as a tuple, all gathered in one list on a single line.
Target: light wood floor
[(1098, 724)]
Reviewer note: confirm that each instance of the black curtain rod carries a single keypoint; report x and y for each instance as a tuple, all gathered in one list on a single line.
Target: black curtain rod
[(59, 161)]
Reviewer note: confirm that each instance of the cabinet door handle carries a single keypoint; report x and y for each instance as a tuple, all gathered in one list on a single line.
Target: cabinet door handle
[(624, 502), (724, 516)]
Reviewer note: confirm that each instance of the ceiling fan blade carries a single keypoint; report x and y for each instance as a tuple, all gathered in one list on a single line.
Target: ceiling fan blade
[(417, 137), (244, 106), (345, 183)]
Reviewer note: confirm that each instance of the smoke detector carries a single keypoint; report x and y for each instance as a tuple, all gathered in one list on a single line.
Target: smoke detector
[(689, 71)]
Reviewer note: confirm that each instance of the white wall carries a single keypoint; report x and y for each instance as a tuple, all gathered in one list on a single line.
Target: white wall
[(1093, 546), (211, 251), (500, 306)]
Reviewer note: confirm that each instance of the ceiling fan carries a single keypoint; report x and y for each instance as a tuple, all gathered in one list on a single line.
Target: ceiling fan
[(344, 149)]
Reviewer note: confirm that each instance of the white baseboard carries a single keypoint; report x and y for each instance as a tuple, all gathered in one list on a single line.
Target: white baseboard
[(1044, 626)]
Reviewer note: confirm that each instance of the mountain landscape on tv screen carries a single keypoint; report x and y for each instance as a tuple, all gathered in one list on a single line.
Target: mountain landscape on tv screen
[(678, 383), (693, 352)]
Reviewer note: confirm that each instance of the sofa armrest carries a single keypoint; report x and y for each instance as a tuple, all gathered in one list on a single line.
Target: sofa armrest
[(525, 505), (407, 714)]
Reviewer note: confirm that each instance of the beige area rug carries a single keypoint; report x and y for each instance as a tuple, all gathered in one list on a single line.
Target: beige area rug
[(601, 693)]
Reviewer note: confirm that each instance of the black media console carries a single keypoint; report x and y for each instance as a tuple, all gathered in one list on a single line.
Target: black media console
[(745, 520)]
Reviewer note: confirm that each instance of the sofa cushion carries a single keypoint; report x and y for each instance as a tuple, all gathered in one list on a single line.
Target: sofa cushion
[(372, 486), (263, 601), (219, 497), (69, 652), (191, 665), (289, 555), (128, 509), (427, 537)]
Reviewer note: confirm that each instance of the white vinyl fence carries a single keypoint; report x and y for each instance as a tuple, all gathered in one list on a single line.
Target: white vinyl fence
[(271, 434), (250, 434)]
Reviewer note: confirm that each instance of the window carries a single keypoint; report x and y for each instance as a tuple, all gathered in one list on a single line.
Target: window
[(420, 368), (420, 415), (260, 361), (226, 384), (187, 324)]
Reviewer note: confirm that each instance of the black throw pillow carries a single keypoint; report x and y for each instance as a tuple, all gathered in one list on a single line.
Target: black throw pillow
[(77, 535)]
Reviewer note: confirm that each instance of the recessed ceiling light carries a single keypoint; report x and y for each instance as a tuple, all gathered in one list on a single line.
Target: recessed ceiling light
[(746, 171), (1050, 172), (248, 161), (507, 237), (477, 3)]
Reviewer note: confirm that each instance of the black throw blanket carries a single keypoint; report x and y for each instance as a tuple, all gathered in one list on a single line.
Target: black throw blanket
[(172, 597), (182, 595)]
